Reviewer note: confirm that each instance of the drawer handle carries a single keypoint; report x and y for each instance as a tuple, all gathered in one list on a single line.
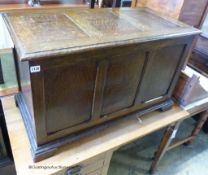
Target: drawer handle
[(74, 170)]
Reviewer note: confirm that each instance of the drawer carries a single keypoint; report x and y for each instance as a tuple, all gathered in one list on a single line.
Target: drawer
[(92, 166), (78, 171), (85, 169), (8, 76)]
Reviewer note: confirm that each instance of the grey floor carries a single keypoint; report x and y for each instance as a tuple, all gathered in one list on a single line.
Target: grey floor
[(135, 158)]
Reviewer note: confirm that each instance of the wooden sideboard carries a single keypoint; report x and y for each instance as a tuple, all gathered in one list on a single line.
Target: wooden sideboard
[(81, 68)]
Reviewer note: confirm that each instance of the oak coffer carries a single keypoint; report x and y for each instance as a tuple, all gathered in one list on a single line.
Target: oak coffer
[(79, 68)]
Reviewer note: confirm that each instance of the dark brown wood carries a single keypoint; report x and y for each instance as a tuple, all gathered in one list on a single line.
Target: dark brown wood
[(1, 74), (201, 46), (161, 85), (123, 77), (199, 57), (193, 12), (102, 64), (99, 89), (203, 118), (169, 135), (190, 12)]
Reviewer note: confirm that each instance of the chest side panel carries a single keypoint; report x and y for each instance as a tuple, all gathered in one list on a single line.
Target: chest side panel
[(26, 88)]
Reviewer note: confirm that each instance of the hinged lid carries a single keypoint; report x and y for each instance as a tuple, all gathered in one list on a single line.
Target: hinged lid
[(43, 33)]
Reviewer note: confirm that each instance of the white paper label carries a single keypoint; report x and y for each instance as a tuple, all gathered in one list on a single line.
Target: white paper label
[(34, 69)]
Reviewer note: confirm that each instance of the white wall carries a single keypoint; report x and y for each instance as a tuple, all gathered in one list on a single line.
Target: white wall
[(5, 39)]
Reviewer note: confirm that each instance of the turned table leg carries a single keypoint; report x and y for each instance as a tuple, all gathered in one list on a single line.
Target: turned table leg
[(169, 135), (198, 127)]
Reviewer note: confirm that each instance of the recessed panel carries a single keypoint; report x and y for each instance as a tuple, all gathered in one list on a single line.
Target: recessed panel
[(103, 23), (68, 95), (149, 21), (42, 32), (159, 73), (122, 81)]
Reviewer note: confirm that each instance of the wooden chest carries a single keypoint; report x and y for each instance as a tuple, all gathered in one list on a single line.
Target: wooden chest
[(79, 68)]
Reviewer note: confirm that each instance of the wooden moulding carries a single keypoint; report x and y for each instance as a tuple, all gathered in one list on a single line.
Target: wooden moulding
[(40, 152), (190, 87)]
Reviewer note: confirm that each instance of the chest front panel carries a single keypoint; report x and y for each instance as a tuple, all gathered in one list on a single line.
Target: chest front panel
[(122, 80), (159, 72), (82, 90), (68, 95)]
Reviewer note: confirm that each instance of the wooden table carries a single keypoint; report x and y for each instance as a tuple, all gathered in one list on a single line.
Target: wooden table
[(93, 153), (201, 108)]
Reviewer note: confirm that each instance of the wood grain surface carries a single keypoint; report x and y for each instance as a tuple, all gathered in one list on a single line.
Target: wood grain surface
[(95, 67), (87, 29)]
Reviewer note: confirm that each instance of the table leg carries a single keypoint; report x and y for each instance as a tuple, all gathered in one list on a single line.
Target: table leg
[(168, 136), (198, 127)]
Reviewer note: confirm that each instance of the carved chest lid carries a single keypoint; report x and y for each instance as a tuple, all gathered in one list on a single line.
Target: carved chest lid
[(43, 33)]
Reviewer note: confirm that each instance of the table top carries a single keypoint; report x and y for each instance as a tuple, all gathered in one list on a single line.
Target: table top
[(74, 30), (122, 133)]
